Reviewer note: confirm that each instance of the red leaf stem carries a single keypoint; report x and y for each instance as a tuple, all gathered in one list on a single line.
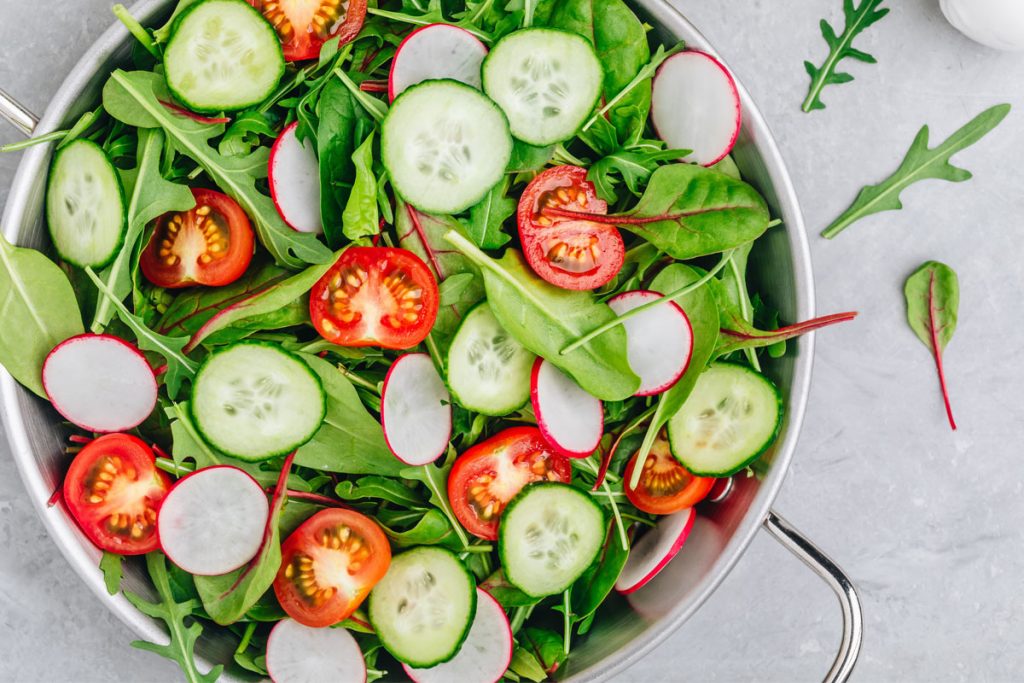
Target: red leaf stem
[(181, 111), (933, 326)]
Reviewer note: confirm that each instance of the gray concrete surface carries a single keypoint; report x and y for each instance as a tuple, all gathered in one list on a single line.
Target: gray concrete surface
[(927, 522)]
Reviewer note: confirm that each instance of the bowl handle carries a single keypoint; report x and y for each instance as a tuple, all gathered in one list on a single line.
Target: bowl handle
[(838, 581), (17, 114)]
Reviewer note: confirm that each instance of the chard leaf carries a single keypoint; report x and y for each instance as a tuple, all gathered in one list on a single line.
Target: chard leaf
[(920, 163), (933, 302)]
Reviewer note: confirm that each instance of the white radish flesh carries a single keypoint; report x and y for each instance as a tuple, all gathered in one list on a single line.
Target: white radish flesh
[(100, 383), (295, 181), (695, 105), (416, 410), (570, 419), (301, 654), (433, 52), (659, 340), (212, 521), (484, 656), (655, 550)]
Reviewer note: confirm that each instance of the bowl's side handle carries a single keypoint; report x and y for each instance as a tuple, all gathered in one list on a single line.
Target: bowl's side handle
[(838, 581), (17, 114)]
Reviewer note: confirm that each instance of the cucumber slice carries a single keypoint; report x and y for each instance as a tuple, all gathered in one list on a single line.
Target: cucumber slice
[(444, 145), (423, 607), (488, 370), (254, 400), (547, 81), (222, 56), (85, 206), (730, 419), (549, 534)]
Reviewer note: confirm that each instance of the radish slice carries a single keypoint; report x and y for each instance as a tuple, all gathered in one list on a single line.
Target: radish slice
[(436, 51), (570, 419), (659, 340), (295, 181), (695, 105), (485, 654), (212, 521), (655, 550), (100, 383), (301, 654), (415, 410)]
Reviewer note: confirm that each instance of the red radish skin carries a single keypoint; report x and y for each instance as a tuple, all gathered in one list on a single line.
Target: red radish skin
[(431, 429), (180, 523), (683, 118), (480, 660), (666, 342), (543, 376), (93, 389), (635, 576), (294, 176), (425, 51), (302, 654)]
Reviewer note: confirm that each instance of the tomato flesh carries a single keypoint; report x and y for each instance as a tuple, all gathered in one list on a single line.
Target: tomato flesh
[(375, 296), (328, 566), (487, 476), (303, 26), (568, 252), (113, 490), (665, 485), (210, 244)]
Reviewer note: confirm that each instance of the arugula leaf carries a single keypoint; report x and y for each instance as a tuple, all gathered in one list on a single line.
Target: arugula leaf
[(179, 366), (151, 197), (436, 480), (228, 597), (244, 133), (488, 216), (360, 217), (933, 301), (920, 163), (39, 311), (350, 440), (633, 164), (112, 566), (432, 15), (132, 97), (379, 488), (545, 319), (857, 19), (181, 647), (433, 528)]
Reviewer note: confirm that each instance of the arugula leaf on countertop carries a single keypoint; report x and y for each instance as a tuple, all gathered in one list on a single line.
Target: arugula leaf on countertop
[(933, 302), (857, 19), (920, 163)]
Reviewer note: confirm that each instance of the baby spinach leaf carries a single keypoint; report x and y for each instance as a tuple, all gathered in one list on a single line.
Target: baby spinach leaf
[(183, 637), (342, 124), (39, 310), (504, 592), (350, 440), (179, 366), (526, 158), (488, 216), (547, 646), (379, 488), (525, 665), (857, 19), (132, 97), (545, 319), (933, 301), (598, 580), (360, 218), (151, 196), (920, 163), (112, 566), (433, 528)]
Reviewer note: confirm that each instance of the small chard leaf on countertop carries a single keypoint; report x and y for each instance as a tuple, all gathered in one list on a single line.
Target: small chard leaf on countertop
[(933, 300), (921, 163), (840, 47)]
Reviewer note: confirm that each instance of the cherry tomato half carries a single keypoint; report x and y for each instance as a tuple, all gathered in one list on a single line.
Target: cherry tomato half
[(375, 296), (305, 25), (568, 252), (487, 476), (114, 490), (210, 244), (665, 485), (328, 566)]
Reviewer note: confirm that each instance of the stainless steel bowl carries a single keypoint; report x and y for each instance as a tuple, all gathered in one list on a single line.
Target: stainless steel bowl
[(781, 271)]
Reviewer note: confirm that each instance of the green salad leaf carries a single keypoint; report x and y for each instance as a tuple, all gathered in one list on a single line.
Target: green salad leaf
[(112, 566), (360, 218), (435, 478), (379, 488), (933, 303), (487, 217)]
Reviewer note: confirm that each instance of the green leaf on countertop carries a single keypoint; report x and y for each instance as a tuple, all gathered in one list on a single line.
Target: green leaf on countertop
[(488, 216), (360, 217), (840, 47), (933, 303), (134, 98), (39, 310), (920, 163)]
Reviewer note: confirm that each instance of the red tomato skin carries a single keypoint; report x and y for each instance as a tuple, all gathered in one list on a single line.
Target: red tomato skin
[(514, 451), (694, 491), (306, 41)]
